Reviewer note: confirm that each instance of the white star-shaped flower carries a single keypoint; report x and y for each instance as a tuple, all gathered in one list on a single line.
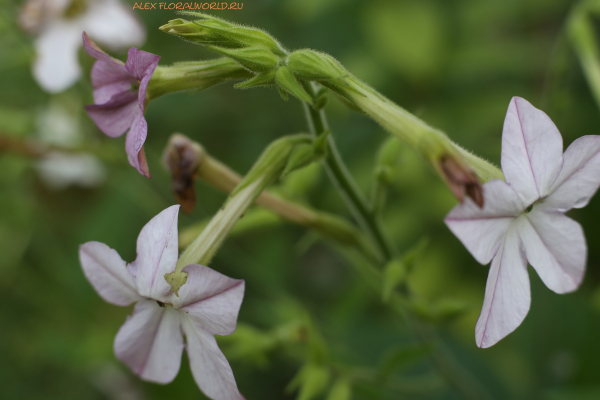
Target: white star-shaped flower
[(523, 218), (151, 340), (59, 24)]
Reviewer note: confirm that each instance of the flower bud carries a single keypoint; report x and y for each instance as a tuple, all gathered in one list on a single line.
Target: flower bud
[(312, 65), (209, 30)]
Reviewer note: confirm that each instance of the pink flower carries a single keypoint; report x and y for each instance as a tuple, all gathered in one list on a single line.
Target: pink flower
[(523, 218), (119, 97), (151, 340)]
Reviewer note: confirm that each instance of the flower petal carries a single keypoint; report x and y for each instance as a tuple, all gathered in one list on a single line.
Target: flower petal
[(150, 342), (556, 248), (104, 94), (94, 51), (211, 299), (481, 229), (210, 368), (141, 64), (116, 116), (507, 294), (579, 178), (56, 67), (134, 145), (108, 273), (142, 92), (106, 75), (531, 150), (157, 253), (114, 25)]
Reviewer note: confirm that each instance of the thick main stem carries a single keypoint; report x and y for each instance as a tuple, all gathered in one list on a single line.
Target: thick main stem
[(338, 173)]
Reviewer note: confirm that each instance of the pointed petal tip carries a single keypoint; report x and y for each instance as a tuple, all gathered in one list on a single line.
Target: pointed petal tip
[(144, 169)]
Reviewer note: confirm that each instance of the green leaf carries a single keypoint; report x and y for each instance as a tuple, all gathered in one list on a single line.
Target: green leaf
[(402, 358), (310, 381), (394, 274), (341, 390), (302, 156)]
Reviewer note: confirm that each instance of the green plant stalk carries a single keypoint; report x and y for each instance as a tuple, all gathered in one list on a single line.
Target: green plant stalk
[(583, 39), (266, 170), (339, 175), (193, 75), (331, 226), (431, 143)]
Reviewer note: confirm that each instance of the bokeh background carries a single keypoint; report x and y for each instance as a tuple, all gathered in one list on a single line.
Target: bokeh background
[(455, 64)]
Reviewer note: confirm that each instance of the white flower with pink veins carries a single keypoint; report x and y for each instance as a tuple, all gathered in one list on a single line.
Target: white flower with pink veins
[(58, 25), (523, 218), (151, 342)]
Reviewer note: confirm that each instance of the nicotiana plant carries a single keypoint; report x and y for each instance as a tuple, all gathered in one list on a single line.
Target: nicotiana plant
[(509, 217)]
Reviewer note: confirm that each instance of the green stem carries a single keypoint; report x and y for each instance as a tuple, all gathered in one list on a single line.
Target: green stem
[(265, 171), (583, 39), (193, 75), (338, 173)]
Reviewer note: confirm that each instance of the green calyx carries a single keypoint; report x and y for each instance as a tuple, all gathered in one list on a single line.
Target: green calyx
[(287, 81), (314, 65), (254, 59)]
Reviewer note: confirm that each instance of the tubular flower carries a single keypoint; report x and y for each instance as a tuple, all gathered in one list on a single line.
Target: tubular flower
[(151, 341), (120, 96), (523, 218)]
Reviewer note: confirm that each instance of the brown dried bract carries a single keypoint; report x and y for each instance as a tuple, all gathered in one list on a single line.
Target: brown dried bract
[(182, 157), (461, 180)]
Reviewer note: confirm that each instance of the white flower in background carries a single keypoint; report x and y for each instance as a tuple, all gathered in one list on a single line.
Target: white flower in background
[(61, 169), (59, 24), (151, 341), (523, 218)]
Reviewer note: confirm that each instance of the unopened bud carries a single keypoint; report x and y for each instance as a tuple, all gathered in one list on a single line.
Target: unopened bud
[(210, 30), (313, 65)]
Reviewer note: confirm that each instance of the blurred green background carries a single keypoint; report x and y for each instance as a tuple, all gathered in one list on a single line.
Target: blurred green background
[(455, 64)]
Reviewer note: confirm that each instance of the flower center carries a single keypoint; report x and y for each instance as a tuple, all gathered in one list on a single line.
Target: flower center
[(135, 87)]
